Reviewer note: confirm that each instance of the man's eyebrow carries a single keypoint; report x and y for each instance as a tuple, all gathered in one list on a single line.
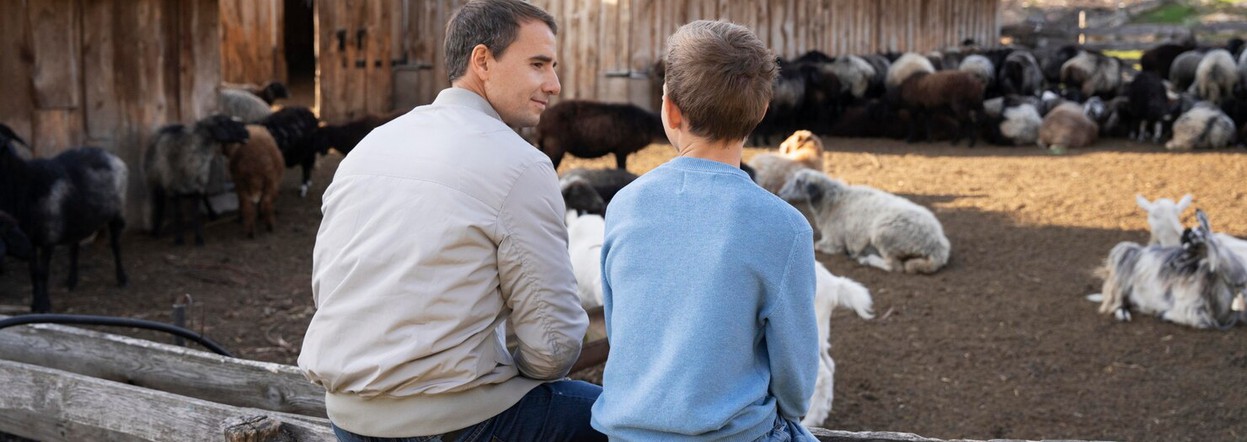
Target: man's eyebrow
[(545, 58)]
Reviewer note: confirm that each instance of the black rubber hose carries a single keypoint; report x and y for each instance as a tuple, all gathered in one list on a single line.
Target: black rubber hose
[(52, 318)]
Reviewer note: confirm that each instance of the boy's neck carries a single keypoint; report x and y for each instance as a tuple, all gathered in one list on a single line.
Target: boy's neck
[(724, 151)]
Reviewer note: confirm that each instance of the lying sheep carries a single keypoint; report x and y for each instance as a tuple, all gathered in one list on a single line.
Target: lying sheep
[(803, 147), (605, 182), (256, 167), (589, 129), (1203, 127), (178, 163), (585, 235), (1192, 284), (1067, 127), (1215, 77), (802, 150), (1015, 124), (62, 201), (872, 226), (580, 196), (831, 291)]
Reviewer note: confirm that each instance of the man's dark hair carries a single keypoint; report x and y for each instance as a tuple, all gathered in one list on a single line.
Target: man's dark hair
[(493, 23)]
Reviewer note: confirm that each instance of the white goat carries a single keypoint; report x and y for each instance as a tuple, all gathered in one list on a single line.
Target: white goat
[(1194, 283), (831, 291), (872, 226)]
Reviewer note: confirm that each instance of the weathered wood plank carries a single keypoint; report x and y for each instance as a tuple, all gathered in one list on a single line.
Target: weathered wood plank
[(54, 405), (199, 59), (103, 109), (56, 130), (177, 370), (55, 26), (17, 107)]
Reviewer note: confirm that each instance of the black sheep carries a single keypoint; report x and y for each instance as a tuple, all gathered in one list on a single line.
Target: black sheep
[(606, 182), (13, 242), (62, 201), (1159, 59), (293, 129), (589, 129), (344, 137), (956, 93), (1149, 103)]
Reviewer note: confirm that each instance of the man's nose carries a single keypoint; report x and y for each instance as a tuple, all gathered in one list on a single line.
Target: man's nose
[(551, 85)]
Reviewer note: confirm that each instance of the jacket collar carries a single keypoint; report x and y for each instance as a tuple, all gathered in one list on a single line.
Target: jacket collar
[(454, 96)]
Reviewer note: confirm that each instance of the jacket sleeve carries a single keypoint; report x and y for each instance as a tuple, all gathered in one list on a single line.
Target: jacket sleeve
[(536, 276), (792, 332)]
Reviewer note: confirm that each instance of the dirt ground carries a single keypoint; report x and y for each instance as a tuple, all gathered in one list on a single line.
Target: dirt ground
[(999, 344)]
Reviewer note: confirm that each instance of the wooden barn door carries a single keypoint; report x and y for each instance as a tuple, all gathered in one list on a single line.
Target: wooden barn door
[(354, 44)]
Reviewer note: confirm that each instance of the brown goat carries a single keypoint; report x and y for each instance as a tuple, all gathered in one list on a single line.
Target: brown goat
[(957, 92), (256, 168)]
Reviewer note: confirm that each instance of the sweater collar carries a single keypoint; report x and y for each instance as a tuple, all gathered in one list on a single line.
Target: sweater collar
[(454, 96), (703, 165)]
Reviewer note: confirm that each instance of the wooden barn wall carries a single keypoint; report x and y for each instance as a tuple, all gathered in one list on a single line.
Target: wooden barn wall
[(355, 44), (607, 46), (107, 73), (252, 49)]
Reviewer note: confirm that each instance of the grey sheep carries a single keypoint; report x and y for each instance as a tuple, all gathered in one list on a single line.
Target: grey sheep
[(243, 105), (1215, 77), (871, 226), (178, 165), (1203, 127)]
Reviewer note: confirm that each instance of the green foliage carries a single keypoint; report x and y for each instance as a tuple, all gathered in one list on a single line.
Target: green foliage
[(1172, 13)]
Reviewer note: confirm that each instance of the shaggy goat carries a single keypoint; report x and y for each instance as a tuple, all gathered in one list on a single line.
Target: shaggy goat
[(1193, 284), (256, 167), (831, 291), (872, 226), (178, 165), (956, 92), (1215, 77), (293, 128), (1166, 228), (62, 201), (605, 182), (588, 129), (1203, 127), (1067, 127)]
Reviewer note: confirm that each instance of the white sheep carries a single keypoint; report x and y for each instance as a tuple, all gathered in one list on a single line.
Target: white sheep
[(831, 291), (909, 64), (585, 235), (1194, 283), (854, 74), (981, 67), (1215, 76), (802, 150), (1205, 126), (243, 105), (1092, 73), (872, 226)]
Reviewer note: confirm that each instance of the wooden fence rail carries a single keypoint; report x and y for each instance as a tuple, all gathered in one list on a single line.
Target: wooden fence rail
[(68, 384)]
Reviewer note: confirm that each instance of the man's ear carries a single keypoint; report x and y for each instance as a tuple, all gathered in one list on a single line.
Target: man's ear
[(478, 62)]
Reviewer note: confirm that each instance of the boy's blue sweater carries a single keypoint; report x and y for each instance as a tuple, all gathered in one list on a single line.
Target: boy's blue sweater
[(709, 292)]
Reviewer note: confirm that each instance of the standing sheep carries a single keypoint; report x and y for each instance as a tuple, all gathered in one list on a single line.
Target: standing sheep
[(178, 164), (1149, 103), (1215, 77), (1203, 127), (62, 201), (1020, 74), (871, 226), (945, 92), (256, 167), (243, 105), (588, 129)]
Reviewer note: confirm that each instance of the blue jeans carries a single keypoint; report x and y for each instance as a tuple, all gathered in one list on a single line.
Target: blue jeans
[(787, 431), (554, 411)]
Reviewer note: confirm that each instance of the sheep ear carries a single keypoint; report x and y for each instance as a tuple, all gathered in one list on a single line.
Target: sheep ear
[(813, 191), (1184, 202), (1143, 202)]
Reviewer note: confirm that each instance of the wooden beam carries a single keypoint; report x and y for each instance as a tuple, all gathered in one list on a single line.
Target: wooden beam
[(53, 405), (177, 370)]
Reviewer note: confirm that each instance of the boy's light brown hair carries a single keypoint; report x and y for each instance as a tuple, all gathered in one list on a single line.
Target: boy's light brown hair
[(719, 74)]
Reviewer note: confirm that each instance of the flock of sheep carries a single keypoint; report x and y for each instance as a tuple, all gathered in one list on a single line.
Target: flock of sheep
[(245, 149)]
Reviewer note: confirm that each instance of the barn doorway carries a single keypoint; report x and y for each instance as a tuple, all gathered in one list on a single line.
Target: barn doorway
[(299, 37)]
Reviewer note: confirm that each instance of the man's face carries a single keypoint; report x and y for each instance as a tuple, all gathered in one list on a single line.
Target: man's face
[(522, 81)]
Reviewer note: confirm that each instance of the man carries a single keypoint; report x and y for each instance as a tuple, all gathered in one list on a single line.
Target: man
[(439, 229), (708, 280)]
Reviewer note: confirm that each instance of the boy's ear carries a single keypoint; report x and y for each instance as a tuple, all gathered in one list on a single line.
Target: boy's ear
[(674, 117)]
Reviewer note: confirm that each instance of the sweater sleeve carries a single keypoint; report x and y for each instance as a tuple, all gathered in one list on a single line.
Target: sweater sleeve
[(536, 278), (792, 332)]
